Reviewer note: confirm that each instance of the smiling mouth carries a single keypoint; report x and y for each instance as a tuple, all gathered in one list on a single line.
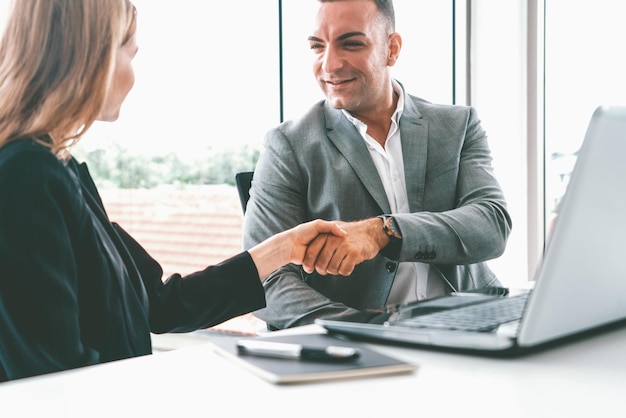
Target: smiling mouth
[(338, 83)]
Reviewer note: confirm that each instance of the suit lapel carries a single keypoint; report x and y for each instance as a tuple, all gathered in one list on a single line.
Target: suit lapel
[(349, 142), (414, 134), (93, 201)]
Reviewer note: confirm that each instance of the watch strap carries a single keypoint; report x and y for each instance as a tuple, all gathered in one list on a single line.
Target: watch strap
[(391, 250)]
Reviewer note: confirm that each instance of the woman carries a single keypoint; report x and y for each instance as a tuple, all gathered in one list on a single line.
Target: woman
[(76, 289)]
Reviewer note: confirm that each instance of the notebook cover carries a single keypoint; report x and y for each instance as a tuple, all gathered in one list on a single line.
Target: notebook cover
[(286, 371)]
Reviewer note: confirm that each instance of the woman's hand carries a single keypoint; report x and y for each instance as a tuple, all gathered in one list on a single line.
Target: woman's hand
[(291, 246), (304, 234)]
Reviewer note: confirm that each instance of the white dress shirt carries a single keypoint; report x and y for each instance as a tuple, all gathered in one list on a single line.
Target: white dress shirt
[(413, 280)]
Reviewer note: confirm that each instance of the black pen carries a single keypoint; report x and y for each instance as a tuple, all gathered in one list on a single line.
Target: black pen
[(296, 351)]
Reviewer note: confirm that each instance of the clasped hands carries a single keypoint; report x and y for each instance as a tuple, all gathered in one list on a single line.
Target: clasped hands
[(337, 247)]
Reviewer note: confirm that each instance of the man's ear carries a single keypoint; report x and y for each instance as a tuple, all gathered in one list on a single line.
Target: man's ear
[(395, 45)]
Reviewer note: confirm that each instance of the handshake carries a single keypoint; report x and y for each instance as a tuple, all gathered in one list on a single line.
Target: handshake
[(327, 247)]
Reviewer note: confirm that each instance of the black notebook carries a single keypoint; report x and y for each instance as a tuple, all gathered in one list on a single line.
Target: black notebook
[(283, 371)]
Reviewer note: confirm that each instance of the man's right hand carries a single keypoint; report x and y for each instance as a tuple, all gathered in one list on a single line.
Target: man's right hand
[(331, 254)]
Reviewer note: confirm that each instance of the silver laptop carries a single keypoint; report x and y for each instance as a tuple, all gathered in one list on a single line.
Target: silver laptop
[(579, 286)]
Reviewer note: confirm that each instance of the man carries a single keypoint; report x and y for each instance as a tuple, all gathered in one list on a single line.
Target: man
[(411, 182)]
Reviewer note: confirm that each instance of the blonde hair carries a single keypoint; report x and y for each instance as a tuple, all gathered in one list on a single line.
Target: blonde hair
[(56, 62)]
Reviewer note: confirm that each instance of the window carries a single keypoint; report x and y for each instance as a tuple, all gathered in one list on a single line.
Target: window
[(498, 71), (584, 68), (206, 95), (203, 94)]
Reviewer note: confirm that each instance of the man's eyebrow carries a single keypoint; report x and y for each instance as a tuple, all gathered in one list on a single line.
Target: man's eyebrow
[(339, 38), (349, 35)]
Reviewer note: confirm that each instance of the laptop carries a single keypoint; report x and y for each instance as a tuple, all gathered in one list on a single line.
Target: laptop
[(579, 286)]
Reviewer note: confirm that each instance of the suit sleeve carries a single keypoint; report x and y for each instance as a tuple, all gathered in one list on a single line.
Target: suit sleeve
[(469, 225)]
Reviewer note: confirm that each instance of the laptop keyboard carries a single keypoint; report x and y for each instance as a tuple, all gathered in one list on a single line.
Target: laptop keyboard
[(480, 317)]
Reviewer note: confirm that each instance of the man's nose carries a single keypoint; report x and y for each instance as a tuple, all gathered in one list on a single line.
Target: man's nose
[(332, 60)]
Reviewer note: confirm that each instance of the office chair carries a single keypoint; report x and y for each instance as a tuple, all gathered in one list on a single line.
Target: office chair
[(243, 180)]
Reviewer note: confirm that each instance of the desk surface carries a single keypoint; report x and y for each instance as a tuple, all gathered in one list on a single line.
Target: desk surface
[(583, 378)]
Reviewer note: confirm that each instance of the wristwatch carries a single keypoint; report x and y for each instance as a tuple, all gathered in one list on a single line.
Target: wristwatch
[(392, 250), (390, 228)]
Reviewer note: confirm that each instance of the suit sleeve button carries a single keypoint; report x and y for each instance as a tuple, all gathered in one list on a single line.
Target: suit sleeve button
[(390, 267)]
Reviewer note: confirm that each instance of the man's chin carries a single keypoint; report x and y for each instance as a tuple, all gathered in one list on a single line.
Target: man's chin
[(336, 102)]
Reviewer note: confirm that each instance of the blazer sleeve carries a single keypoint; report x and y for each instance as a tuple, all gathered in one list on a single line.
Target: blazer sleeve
[(198, 300), (465, 219)]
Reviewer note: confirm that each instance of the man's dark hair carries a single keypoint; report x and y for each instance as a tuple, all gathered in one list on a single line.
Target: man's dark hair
[(385, 7)]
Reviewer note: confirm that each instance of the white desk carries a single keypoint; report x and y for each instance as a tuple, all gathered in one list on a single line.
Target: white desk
[(582, 379)]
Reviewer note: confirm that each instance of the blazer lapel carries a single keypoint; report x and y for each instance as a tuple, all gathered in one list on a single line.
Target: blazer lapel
[(414, 134), (93, 201), (349, 142)]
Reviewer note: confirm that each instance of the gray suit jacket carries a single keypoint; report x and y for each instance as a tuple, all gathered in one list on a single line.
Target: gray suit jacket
[(319, 167)]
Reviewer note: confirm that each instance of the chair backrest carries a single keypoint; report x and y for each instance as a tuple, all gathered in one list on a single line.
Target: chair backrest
[(243, 180)]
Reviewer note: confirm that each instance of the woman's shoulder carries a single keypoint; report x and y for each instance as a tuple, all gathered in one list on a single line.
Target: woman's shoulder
[(26, 163), (26, 152), (23, 148)]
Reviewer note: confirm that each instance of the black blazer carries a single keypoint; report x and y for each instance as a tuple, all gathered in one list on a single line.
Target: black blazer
[(76, 289)]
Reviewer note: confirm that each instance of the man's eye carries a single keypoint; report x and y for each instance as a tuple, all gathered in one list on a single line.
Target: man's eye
[(352, 44), (316, 46)]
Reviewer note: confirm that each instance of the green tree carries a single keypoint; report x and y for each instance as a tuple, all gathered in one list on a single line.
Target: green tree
[(118, 168)]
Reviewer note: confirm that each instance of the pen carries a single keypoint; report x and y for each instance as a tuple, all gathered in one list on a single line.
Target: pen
[(296, 351)]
